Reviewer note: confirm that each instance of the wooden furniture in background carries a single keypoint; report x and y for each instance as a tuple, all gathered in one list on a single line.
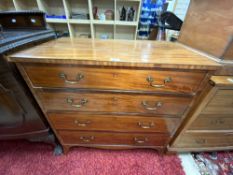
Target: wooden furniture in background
[(114, 94), (208, 26), (115, 28), (211, 124), (20, 115)]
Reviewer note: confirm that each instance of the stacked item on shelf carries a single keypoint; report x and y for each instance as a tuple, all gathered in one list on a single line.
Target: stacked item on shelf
[(150, 12), (107, 15), (55, 16), (127, 14), (79, 16)]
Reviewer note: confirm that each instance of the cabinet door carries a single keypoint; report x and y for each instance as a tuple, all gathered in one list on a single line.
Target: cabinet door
[(11, 113)]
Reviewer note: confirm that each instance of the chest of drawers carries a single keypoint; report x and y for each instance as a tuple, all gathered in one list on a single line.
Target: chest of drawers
[(114, 94), (211, 124)]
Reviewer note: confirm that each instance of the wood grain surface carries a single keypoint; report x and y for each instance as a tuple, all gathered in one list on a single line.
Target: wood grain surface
[(115, 53), (208, 26), (113, 102), (117, 123), (42, 75), (111, 138), (199, 140)]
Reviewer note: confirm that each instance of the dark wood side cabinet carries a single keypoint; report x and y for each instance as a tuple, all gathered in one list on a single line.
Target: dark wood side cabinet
[(19, 115)]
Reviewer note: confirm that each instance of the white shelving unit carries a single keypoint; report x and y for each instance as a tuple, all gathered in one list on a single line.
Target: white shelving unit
[(88, 27)]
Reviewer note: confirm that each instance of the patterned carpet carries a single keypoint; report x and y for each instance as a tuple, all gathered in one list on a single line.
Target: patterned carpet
[(215, 163), (24, 158)]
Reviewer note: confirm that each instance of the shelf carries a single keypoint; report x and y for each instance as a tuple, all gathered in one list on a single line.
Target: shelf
[(126, 23), (55, 20), (102, 22), (6, 5), (125, 32), (77, 7), (59, 27), (104, 31), (26, 5), (52, 7), (128, 0), (126, 4), (103, 6), (80, 31), (79, 21)]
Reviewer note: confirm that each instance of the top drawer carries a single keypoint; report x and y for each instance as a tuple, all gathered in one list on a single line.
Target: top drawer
[(69, 76)]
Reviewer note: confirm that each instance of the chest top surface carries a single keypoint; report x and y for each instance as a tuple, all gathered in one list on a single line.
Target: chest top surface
[(115, 53)]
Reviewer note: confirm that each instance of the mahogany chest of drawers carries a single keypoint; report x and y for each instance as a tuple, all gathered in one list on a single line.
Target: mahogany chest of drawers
[(114, 94)]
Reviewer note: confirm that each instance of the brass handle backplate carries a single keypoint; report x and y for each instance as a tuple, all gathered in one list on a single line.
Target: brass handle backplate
[(78, 78), (87, 138), (82, 124), (141, 141), (151, 80), (81, 103), (146, 125), (154, 107)]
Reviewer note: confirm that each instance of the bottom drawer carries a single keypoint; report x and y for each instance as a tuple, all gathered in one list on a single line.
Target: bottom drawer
[(200, 140), (108, 138)]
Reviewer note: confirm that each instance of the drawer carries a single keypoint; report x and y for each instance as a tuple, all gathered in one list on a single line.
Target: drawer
[(123, 123), (113, 102), (108, 138), (70, 76), (213, 122), (221, 103), (200, 140)]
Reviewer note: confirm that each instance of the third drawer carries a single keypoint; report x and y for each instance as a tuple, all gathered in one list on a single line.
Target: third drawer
[(93, 122)]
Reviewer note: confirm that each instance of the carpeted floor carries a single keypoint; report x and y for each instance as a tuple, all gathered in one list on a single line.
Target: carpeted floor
[(24, 158)]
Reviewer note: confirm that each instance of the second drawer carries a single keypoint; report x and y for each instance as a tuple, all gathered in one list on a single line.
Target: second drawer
[(212, 122), (77, 121), (113, 102)]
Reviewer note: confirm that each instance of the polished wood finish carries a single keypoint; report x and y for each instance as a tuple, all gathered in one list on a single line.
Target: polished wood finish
[(108, 138), (210, 126), (147, 54), (113, 103), (114, 94), (116, 123), (113, 78), (208, 26), (222, 81)]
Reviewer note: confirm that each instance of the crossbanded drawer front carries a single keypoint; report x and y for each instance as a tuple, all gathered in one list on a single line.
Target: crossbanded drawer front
[(92, 122), (201, 140), (69, 76), (213, 122), (113, 102), (108, 138)]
